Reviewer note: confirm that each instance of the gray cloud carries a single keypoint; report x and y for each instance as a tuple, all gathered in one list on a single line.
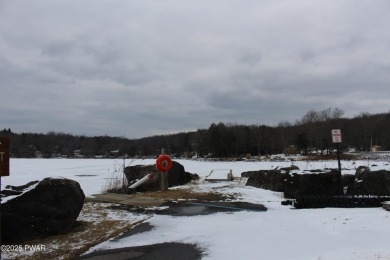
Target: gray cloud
[(147, 67)]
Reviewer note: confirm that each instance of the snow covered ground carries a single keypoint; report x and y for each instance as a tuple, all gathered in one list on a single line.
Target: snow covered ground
[(279, 233)]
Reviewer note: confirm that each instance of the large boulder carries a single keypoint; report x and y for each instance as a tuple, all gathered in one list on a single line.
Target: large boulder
[(369, 182), (39, 209), (274, 180), (348, 183), (323, 183), (176, 176)]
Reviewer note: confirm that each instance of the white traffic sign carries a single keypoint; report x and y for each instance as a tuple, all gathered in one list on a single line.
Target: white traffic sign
[(336, 136)]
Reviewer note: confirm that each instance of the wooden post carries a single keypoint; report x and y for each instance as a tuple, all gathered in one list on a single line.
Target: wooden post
[(164, 179), (164, 163)]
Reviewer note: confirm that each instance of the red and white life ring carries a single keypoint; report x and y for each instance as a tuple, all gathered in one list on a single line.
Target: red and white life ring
[(164, 163)]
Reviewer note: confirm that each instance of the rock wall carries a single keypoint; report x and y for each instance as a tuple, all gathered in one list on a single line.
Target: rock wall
[(321, 182), (293, 185)]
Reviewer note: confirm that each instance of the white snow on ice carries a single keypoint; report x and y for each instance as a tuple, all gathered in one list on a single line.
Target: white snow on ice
[(279, 233)]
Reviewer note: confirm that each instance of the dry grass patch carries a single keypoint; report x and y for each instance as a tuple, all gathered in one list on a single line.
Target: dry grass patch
[(185, 194), (347, 157), (93, 227)]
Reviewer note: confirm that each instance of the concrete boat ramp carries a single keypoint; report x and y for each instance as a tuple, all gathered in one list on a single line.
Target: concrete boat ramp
[(176, 206)]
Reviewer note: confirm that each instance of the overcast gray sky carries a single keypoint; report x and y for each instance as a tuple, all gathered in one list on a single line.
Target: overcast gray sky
[(140, 67)]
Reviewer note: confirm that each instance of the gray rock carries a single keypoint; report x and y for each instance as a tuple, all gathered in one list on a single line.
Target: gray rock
[(176, 176), (369, 182), (50, 208), (323, 183)]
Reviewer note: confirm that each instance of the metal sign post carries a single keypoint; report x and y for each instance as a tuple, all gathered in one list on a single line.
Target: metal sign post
[(336, 138)]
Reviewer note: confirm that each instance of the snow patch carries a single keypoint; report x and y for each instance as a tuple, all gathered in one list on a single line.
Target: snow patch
[(6, 199)]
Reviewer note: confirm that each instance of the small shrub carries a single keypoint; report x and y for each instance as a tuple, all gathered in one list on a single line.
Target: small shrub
[(118, 182)]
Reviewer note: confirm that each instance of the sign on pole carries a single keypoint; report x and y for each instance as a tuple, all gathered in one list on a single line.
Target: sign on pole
[(336, 136), (4, 156)]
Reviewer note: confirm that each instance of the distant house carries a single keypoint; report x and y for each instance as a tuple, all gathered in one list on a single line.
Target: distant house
[(114, 153), (376, 148), (291, 150), (77, 154)]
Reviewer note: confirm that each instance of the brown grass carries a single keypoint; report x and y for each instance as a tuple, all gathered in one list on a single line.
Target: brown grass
[(329, 157), (82, 236), (185, 194), (116, 182)]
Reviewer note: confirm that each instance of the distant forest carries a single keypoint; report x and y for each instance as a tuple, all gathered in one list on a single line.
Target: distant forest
[(311, 133)]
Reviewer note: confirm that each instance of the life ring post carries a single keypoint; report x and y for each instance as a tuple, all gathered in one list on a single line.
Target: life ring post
[(164, 164)]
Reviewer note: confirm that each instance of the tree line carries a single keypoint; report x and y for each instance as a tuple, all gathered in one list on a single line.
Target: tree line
[(311, 133)]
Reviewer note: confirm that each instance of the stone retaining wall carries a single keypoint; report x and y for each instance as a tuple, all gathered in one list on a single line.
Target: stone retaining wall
[(321, 182)]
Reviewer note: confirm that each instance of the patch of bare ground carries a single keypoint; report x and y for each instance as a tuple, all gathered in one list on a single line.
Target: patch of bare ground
[(93, 227), (329, 157), (186, 194)]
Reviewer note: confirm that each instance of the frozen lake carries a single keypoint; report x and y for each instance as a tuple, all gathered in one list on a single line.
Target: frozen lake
[(279, 233)]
